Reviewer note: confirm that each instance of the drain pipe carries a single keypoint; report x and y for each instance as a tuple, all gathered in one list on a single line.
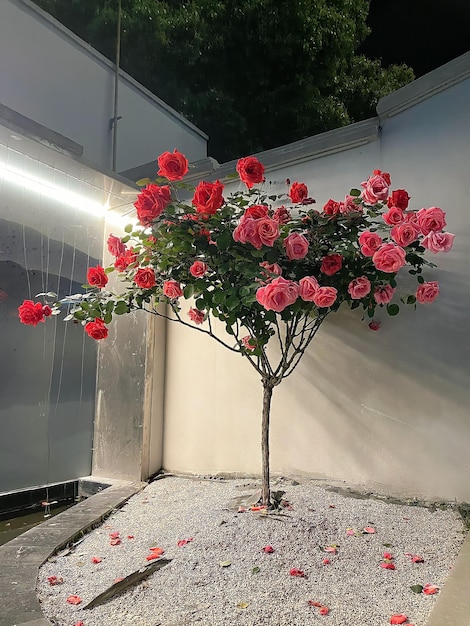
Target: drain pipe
[(115, 118)]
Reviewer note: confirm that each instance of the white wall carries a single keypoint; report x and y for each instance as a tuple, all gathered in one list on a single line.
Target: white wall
[(387, 409), (53, 77)]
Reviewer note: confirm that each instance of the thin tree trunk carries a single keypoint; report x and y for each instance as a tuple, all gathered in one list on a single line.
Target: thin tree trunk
[(267, 393)]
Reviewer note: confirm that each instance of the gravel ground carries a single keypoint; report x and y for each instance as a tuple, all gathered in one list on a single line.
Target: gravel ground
[(223, 578)]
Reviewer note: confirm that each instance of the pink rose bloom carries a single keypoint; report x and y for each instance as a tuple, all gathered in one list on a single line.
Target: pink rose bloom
[(376, 188), (115, 245), (325, 297), (369, 242), (278, 294), (412, 218), (349, 206), (282, 215), (268, 231), (296, 246), (196, 315), (359, 287), (271, 270), (427, 292), (384, 294), (172, 289), (389, 258), (374, 325), (393, 216), (431, 219), (404, 234), (248, 342), (438, 242), (198, 269), (332, 207), (247, 232), (331, 264), (308, 288), (399, 198)]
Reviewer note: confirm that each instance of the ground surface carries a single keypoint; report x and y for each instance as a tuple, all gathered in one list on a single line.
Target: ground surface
[(222, 577)]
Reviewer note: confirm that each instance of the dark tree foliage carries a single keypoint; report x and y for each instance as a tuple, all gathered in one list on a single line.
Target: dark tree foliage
[(253, 74)]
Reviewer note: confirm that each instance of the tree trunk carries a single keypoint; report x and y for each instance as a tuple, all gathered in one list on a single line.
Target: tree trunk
[(267, 393)]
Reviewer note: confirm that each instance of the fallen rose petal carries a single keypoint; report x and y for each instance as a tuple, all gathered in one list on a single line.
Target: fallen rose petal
[(74, 600), (241, 509), (157, 550), (298, 572), (312, 603), (130, 536), (351, 532), (388, 565), (117, 580), (324, 610), (369, 530), (183, 542), (400, 618), (268, 549), (80, 623), (96, 559), (326, 561), (115, 542), (55, 580), (417, 559), (332, 506), (115, 534), (430, 590), (153, 556), (388, 556), (332, 549)]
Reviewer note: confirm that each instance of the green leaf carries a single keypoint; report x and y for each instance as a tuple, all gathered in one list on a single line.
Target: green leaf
[(108, 318), (233, 302), (142, 182), (393, 309), (411, 300), (355, 192), (224, 240), (255, 570), (188, 291), (108, 270), (388, 545), (128, 228), (120, 308), (416, 588), (420, 280), (218, 297)]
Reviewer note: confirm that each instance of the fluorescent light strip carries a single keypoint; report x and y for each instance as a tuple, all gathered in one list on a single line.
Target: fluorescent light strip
[(45, 188)]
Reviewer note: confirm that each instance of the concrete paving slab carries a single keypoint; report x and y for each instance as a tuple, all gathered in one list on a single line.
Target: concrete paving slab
[(21, 558)]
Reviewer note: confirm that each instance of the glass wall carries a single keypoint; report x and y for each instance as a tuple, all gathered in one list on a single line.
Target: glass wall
[(50, 234)]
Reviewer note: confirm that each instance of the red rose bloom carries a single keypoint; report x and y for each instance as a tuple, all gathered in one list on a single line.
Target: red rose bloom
[(97, 329), (96, 277), (46, 310), (250, 170), (332, 207), (298, 192), (115, 245), (399, 198), (281, 215), (145, 278), (123, 261), (31, 313), (208, 197), (173, 165), (256, 211), (151, 202), (331, 264)]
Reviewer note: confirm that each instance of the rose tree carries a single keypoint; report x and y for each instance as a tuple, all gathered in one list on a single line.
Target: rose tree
[(269, 267)]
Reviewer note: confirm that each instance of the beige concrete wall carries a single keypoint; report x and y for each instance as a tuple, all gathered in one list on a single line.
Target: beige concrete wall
[(387, 408)]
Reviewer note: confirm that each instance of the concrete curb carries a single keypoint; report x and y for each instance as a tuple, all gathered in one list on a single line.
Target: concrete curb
[(21, 558), (453, 605)]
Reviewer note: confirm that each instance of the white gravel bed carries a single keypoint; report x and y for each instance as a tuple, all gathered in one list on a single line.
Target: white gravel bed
[(257, 588)]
